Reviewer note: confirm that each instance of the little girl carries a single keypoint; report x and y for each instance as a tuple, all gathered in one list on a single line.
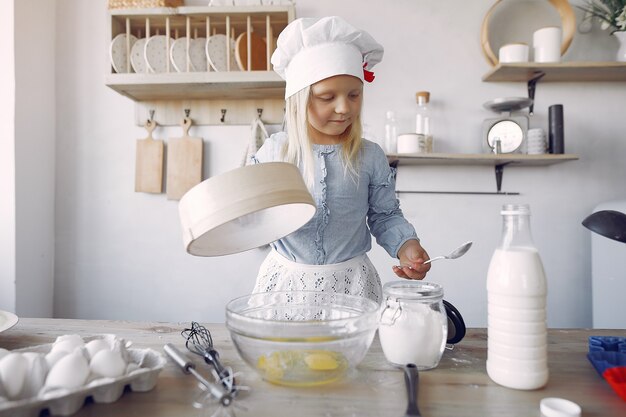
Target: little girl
[(324, 62)]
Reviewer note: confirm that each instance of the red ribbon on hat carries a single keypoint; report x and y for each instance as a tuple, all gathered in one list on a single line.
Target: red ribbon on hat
[(368, 75)]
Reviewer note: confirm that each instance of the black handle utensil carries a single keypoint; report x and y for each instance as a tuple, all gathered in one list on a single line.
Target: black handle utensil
[(411, 380)]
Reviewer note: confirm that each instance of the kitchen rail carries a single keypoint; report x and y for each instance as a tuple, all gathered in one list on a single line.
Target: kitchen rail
[(459, 386)]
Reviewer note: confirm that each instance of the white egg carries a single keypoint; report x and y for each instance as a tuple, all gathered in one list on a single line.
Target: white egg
[(53, 357), (13, 370), (67, 343), (95, 346), (108, 363), (70, 371), (36, 376)]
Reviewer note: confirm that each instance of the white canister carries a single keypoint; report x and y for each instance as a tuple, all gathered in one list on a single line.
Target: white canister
[(408, 143), (413, 324), (513, 52), (547, 44), (414, 143)]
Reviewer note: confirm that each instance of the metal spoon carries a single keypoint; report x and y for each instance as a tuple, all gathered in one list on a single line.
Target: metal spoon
[(411, 380), (457, 253)]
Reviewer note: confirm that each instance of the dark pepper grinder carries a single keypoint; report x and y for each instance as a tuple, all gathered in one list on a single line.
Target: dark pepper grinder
[(555, 129)]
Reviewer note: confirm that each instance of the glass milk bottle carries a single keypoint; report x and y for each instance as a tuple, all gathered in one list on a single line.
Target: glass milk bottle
[(413, 324), (516, 295)]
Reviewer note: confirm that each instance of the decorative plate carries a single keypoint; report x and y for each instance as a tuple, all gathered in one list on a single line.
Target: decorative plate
[(178, 55), (137, 59), (197, 54), (7, 320), (156, 54), (117, 52), (216, 52), (258, 51)]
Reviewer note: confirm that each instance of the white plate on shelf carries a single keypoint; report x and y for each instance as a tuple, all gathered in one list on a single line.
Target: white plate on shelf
[(7, 320), (137, 58), (216, 52), (117, 52), (156, 54), (178, 55), (197, 54)]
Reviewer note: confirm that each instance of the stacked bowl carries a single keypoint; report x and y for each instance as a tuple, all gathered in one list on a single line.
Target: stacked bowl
[(536, 141)]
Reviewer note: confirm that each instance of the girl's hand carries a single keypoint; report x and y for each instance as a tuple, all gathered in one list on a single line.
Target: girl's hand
[(412, 257)]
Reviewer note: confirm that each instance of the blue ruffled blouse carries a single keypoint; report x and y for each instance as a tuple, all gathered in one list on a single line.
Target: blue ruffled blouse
[(348, 211)]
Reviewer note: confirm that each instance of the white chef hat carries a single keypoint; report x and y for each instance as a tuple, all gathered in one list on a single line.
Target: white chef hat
[(312, 49)]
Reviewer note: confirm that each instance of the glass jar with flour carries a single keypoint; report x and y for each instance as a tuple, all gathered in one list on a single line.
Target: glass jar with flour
[(413, 324)]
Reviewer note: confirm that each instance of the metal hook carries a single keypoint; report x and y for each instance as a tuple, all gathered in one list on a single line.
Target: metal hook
[(151, 116), (187, 111), (223, 115), (259, 112)]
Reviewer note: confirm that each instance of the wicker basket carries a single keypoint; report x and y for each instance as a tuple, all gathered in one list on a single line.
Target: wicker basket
[(143, 4)]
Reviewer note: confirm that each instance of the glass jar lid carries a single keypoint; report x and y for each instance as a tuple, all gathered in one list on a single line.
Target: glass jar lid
[(413, 290)]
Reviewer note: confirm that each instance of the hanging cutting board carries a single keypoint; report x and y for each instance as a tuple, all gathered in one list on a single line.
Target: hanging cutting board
[(149, 162), (184, 163), (258, 52)]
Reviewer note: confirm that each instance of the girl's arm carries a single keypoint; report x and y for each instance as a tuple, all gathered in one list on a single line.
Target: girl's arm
[(387, 223)]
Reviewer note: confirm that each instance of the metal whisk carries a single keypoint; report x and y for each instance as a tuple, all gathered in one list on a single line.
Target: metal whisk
[(199, 341)]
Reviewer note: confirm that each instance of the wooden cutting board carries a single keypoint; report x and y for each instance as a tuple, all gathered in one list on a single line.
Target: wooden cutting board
[(184, 163), (257, 51), (149, 162)]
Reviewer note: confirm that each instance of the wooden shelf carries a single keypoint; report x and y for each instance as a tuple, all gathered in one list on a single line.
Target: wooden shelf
[(496, 161), (198, 85), (479, 159), (558, 72), (212, 97)]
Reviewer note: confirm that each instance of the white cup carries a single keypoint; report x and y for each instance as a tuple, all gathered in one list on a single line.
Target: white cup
[(513, 52), (547, 44)]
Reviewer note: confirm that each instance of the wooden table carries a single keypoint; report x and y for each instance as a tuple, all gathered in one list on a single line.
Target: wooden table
[(459, 386)]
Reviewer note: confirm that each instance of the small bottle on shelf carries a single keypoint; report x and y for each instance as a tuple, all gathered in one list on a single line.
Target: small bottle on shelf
[(423, 122), (391, 133)]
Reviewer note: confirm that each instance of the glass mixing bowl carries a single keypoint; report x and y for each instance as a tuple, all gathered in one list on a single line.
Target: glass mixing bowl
[(302, 338)]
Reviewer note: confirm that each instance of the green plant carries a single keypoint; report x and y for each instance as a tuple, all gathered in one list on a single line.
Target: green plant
[(612, 13)]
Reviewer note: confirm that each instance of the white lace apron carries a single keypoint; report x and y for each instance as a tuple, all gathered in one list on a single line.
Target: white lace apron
[(356, 276)]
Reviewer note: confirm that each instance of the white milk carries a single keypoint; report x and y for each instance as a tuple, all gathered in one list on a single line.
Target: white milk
[(516, 292)]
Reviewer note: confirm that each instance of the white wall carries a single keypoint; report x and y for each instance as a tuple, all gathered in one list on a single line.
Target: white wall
[(7, 159), (35, 156), (119, 254)]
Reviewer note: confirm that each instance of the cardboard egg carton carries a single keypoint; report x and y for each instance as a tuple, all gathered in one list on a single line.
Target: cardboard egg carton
[(144, 364)]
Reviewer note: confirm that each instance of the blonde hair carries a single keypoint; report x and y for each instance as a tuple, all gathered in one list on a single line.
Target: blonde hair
[(299, 148)]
